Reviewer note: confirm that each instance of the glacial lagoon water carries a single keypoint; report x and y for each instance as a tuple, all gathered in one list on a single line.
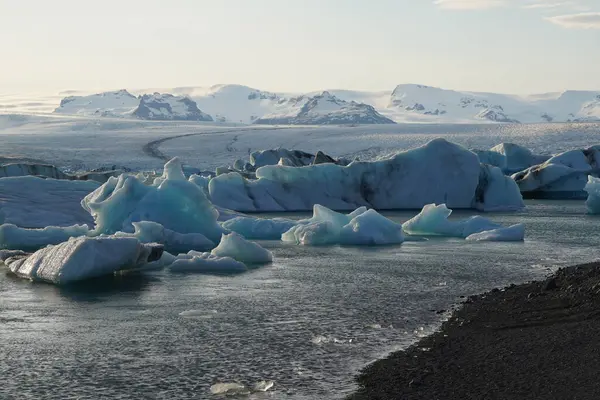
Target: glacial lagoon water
[(308, 322)]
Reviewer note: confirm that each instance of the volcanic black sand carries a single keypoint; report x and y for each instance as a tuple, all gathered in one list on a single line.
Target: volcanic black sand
[(539, 340)]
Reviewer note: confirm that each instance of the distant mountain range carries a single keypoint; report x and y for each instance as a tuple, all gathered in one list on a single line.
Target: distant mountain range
[(406, 103)]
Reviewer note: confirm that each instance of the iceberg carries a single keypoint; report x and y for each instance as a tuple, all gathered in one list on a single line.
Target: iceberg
[(259, 228), (33, 202), (438, 172), (371, 228), (361, 227), (174, 242), (206, 263), (433, 221), (514, 233), (563, 176), (517, 157), (234, 245), (497, 192), (171, 201), (14, 237), (593, 189), (83, 258)]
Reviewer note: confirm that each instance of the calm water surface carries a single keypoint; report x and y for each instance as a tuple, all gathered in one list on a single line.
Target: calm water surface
[(307, 322)]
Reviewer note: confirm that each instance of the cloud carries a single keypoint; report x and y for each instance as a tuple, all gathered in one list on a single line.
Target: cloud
[(469, 4), (544, 5), (589, 20)]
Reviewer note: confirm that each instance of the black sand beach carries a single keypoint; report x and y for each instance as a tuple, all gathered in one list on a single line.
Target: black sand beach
[(539, 340)]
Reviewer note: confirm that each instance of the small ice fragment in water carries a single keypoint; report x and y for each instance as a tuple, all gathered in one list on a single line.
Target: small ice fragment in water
[(318, 340), (228, 388), (263, 386)]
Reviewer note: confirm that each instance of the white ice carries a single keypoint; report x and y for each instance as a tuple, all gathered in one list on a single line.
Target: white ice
[(433, 221), (172, 201), (259, 228), (174, 242), (439, 171), (82, 258), (593, 189), (206, 263), (514, 233), (361, 227), (234, 245), (517, 157), (562, 176), (14, 237)]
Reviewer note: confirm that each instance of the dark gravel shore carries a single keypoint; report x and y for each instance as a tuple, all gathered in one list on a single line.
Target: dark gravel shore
[(539, 340)]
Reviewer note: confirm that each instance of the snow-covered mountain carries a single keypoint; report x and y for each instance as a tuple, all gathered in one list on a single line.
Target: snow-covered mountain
[(406, 103), (168, 107), (108, 104), (323, 109), (123, 104), (421, 102)]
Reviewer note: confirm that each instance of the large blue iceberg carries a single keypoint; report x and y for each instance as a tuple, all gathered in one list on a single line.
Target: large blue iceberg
[(438, 172)]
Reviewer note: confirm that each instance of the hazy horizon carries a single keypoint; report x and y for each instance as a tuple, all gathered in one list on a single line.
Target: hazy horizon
[(503, 46)]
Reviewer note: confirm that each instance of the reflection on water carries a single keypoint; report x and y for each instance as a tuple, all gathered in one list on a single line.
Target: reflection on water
[(100, 288), (308, 322)]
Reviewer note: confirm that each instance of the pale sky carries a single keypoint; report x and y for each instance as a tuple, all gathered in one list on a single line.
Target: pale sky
[(511, 46)]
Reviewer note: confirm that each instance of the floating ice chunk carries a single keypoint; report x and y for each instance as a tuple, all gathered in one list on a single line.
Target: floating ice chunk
[(593, 189), (313, 234), (206, 263), (174, 242), (113, 202), (200, 181), (13, 237), (259, 228), (562, 176), (6, 254), (514, 233), (360, 227), (229, 388), (433, 221), (174, 202), (491, 158), (497, 191), (83, 258), (518, 157), (164, 261), (263, 386), (371, 228), (439, 171), (235, 246), (324, 214)]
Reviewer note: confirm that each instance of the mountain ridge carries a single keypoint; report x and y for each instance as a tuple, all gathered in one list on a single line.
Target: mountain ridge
[(234, 103)]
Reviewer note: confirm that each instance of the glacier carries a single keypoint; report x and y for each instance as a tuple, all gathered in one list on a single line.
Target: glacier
[(234, 246), (33, 202), (83, 258), (438, 172)]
